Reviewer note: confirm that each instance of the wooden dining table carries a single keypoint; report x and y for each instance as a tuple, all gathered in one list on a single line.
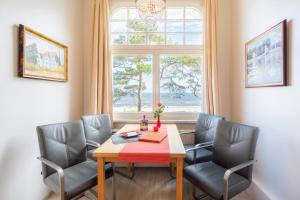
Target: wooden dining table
[(109, 152)]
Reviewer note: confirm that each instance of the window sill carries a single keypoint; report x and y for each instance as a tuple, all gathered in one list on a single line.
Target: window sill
[(170, 118), (153, 121)]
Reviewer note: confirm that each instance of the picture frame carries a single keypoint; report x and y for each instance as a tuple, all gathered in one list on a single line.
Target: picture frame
[(266, 58), (41, 57)]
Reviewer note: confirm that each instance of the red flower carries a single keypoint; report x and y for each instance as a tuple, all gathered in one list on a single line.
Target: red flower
[(159, 104)]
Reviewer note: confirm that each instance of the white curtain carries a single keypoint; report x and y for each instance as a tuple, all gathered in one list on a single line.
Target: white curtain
[(211, 74), (101, 81)]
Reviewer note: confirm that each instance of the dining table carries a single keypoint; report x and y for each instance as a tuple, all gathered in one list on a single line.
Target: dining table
[(170, 151)]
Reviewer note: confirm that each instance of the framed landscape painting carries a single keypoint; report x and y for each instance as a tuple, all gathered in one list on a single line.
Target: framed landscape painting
[(266, 63), (41, 57)]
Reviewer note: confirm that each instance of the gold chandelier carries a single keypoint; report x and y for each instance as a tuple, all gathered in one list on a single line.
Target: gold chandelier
[(151, 10)]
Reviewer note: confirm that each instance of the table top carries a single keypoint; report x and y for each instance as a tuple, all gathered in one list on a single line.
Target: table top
[(108, 149)]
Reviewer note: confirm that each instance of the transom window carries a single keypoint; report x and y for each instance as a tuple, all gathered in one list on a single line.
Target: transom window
[(157, 64), (178, 26)]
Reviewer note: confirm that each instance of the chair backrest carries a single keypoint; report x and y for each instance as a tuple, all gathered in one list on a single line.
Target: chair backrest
[(64, 144), (235, 144), (206, 127), (97, 127)]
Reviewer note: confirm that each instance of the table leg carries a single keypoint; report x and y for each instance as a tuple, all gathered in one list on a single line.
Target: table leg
[(101, 177), (179, 178)]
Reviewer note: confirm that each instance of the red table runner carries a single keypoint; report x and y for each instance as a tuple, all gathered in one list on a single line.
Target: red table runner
[(147, 152)]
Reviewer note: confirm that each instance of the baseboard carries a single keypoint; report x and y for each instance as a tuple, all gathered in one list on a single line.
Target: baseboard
[(256, 193)]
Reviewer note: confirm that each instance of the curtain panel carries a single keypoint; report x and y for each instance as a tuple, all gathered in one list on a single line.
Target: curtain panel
[(101, 81), (211, 71)]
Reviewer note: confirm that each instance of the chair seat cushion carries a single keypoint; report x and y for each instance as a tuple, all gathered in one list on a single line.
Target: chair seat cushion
[(78, 178), (209, 177), (203, 155)]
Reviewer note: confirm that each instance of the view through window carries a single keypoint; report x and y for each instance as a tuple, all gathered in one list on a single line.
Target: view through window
[(157, 64)]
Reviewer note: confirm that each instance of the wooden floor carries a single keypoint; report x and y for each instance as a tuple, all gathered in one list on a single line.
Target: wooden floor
[(148, 184)]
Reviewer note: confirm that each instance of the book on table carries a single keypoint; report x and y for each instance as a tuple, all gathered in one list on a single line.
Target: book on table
[(153, 137)]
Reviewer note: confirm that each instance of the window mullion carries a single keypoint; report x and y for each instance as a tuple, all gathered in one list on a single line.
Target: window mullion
[(165, 22), (127, 22), (156, 84), (184, 22)]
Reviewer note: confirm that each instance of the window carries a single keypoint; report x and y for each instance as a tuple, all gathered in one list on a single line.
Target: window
[(157, 64), (179, 26), (132, 83), (181, 82)]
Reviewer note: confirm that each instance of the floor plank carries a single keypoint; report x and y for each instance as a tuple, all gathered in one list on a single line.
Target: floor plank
[(148, 184)]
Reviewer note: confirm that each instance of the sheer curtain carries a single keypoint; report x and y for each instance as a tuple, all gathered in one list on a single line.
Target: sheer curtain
[(211, 73), (101, 81)]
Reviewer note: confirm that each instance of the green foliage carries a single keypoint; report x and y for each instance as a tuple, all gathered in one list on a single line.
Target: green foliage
[(180, 74), (158, 111), (137, 38), (128, 75), (156, 38), (137, 26)]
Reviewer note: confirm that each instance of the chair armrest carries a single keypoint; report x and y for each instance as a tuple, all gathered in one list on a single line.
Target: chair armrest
[(186, 132), (92, 143), (231, 171), (204, 144), (60, 172), (199, 146)]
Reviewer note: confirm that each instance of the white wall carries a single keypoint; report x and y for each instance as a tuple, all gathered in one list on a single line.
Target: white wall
[(224, 55), (275, 110), (26, 103)]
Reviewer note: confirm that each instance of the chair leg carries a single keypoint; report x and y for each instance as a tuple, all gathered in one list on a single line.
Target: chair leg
[(132, 169), (88, 196), (202, 196), (113, 183), (131, 173), (172, 171), (94, 193), (79, 196)]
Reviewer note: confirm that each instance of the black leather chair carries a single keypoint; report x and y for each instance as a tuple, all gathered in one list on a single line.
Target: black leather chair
[(230, 171), (98, 129), (203, 136), (65, 167)]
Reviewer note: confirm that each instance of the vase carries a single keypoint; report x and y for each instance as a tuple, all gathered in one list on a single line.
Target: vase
[(158, 122)]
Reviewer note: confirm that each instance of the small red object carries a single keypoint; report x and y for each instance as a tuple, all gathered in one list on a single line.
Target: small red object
[(158, 122), (155, 128)]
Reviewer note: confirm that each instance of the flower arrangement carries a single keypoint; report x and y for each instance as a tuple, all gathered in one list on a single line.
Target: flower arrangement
[(159, 110)]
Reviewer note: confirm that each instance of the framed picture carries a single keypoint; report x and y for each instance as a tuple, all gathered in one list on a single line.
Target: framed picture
[(266, 55), (41, 57)]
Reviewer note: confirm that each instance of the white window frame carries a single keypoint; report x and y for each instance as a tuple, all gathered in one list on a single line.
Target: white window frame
[(156, 51)]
